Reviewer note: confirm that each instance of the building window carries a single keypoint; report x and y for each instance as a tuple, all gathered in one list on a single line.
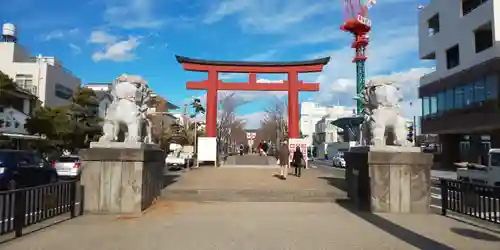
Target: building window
[(63, 92), (441, 103), (433, 105), (468, 94), (426, 106), (491, 87), (483, 37), (449, 99), (433, 25), (469, 5), (453, 57), (25, 82), (479, 90)]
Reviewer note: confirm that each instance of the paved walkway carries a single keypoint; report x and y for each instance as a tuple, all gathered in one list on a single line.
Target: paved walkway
[(253, 177), (262, 226), (253, 184)]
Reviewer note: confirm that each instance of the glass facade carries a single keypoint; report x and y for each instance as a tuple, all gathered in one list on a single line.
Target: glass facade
[(463, 96)]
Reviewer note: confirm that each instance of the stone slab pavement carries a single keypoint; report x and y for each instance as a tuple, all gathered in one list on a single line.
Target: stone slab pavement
[(262, 226), (253, 178)]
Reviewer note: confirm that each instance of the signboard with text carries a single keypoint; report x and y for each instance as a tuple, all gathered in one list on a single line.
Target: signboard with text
[(293, 144)]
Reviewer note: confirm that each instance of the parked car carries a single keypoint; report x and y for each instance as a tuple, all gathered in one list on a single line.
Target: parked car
[(338, 160), (20, 169), (68, 166), (176, 160)]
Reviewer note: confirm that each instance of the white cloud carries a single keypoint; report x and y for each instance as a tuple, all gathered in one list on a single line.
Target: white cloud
[(132, 14), (102, 37), (253, 120), (324, 35), (75, 49), (114, 49), (59, 34), (267, 16), (226, 8)]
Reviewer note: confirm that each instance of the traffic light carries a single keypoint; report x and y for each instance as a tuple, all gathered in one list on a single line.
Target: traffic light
[(410, 128)]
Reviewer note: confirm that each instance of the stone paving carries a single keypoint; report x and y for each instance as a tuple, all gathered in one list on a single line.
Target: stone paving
[(249, 178), (253, 184), (274, 225), (262, 226)]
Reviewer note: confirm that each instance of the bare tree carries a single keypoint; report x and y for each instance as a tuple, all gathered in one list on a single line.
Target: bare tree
[(275, 124), (229, 127)]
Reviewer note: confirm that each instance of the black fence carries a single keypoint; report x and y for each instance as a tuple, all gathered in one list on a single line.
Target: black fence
[(479, 201), (22, 208)]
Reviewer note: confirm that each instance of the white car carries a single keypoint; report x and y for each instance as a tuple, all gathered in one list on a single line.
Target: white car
[(68, 166), (175, 159), (338, 160)]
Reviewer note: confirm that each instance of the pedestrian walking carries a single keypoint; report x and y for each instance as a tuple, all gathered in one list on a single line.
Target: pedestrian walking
[(284, 155), (265, 147), (298, 161)]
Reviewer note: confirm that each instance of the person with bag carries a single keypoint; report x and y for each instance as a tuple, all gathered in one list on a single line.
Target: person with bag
[(298, 161), (284, 160)]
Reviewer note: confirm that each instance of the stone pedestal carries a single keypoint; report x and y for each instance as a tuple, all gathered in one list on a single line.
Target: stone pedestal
[(121, 180), (389, 179)]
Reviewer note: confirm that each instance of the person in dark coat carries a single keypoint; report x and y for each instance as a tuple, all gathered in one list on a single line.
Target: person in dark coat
[(284, 155), (298, 158), (265, 147)]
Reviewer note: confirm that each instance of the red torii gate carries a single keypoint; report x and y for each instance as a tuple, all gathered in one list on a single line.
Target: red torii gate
[(213, 84)]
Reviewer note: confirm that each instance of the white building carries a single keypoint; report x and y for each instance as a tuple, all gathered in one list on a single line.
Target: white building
[(325, 131), (102, 93), (311, 113), (457, 35), (15, 109), (460, 98), (43, 76)]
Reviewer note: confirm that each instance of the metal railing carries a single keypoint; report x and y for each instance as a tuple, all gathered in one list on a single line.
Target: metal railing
[(22, 208), (475, 200)]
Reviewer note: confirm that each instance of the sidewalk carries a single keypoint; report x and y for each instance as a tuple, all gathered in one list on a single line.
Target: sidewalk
[(273, 226)]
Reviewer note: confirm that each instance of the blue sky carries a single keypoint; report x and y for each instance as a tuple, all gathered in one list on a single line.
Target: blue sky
[(101, 39)]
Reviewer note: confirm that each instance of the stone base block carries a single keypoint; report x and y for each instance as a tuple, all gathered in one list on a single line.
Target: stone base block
[(389, 179), (121, 181)]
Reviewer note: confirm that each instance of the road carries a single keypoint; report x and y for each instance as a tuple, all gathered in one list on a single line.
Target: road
[(436, 201)]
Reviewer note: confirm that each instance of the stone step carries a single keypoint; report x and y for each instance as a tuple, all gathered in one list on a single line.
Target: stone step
[(206, 195)]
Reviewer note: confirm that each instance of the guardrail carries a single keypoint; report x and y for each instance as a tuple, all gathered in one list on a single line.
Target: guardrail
[(22, 208), (475, 200)]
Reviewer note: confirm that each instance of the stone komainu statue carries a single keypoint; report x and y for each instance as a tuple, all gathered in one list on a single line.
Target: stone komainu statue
[(131, 101), (382, 112)]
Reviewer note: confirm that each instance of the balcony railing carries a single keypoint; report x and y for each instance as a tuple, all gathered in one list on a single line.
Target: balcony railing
[(32, 89)]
